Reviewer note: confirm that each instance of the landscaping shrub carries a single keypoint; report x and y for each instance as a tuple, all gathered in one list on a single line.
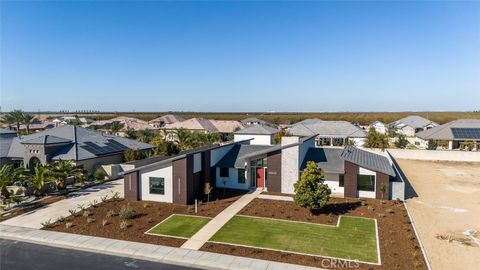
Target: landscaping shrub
[(110, 213), (104, 222), (126, 212), (124, 224), (99, 174), (47, 223), (68, 225), (86, 213), (90, 220), (60, 219), (73, 212)]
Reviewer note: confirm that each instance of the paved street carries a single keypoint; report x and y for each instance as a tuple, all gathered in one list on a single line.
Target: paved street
[(53, 211), (15, 255)]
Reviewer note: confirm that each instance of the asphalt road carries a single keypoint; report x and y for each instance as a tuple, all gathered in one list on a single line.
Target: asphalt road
[(15, 255)]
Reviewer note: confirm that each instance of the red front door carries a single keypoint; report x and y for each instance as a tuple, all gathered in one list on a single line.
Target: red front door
[(260, 178)]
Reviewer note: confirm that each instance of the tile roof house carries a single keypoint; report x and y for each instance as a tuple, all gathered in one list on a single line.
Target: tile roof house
[(6, 138), (165, 120), (409, 125), (455, 133), (329, 133), (349, 172), (223, 127), (125, 122), (379, 127), (83, 146), (255, 121)]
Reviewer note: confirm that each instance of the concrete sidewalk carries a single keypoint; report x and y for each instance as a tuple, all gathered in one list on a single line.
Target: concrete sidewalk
[(53, 211), (168, 255), (205, 233)]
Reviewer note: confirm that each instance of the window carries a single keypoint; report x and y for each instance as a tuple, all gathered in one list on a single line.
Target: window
[(241, 176), (366, 182), (341, 180), (223, 172), (157, 185)]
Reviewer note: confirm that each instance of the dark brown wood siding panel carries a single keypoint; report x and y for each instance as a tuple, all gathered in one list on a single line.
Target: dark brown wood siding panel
[(130, 182), (190, 188), (382, 179), (179, 181), (350, 187), (206, 168), (274, 178)]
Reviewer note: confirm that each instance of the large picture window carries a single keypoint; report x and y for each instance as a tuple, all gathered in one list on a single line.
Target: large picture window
[(341, 180), (157, 185), (223, 172), (366, 182), (241, 176)]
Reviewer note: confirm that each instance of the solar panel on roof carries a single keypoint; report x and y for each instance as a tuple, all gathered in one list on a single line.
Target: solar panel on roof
[(466, 133)]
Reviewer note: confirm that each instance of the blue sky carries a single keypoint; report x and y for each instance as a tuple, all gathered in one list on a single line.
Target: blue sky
[(240, 56)]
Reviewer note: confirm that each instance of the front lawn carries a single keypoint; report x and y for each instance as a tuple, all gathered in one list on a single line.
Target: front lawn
[(354, 238), (183, 226)]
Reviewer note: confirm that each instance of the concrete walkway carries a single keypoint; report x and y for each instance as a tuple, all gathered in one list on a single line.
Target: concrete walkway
[(275, 197), (205, 233), (53, 211), (168, 255)]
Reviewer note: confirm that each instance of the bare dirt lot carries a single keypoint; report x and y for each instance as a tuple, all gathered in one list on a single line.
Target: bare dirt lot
[(446, 205)]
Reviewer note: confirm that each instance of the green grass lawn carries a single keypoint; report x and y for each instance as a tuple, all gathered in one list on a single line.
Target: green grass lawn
[(355, 238), (180, 226)]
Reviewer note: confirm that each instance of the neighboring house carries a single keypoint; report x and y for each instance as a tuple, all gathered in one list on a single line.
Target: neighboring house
[(36, 127), (68, 120), (224, 127), (452, 135), (125, 123), (6, 138), (164, 120), (379, 127), (255, 121), (329, 133), (410, 125), (261, 134), (85, 147), (350, 172)]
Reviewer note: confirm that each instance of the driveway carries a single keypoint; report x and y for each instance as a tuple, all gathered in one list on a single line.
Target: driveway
[(447, 203), (53, 211)]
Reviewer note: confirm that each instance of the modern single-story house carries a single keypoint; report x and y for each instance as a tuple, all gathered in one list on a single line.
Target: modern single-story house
[(350, 172), (223, 127), (85, 147), (379, 127), (410, 125), (6, 138), (452, 135), (329, 133), (164, 120), (260, 134)]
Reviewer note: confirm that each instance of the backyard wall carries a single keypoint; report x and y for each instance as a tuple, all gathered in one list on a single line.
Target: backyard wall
[(435, 155)]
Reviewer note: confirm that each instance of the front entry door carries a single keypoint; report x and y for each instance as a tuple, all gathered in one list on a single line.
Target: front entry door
[(260, 178)]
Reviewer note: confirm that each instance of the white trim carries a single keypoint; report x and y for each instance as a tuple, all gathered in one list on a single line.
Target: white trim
[(308, 254), (173, 236)]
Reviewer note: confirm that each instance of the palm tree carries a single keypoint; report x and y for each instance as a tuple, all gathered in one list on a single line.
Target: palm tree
[(115, 127), (8, 175), (40, 177), (63, 169), (15, 117), (130, 133), (183, 139), (27, 120)]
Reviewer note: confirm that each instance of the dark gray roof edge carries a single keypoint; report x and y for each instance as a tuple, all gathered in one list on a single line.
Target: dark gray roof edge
[(391, 172), (180, 156)]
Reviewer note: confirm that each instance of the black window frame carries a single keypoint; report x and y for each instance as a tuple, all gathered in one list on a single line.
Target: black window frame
[(156, 190), (341, 180), (224, 172), (362, 187), (241, 172)]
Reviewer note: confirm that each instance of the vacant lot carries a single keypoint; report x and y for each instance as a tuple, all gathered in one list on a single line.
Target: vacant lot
[(354, 238), (182, 226), (448, 204)]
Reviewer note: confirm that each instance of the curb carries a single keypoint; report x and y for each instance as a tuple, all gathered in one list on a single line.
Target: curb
[(142, 251)]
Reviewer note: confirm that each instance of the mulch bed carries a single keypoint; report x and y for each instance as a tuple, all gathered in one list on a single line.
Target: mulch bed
[(398, 246), (147, 215), (30, 207)]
